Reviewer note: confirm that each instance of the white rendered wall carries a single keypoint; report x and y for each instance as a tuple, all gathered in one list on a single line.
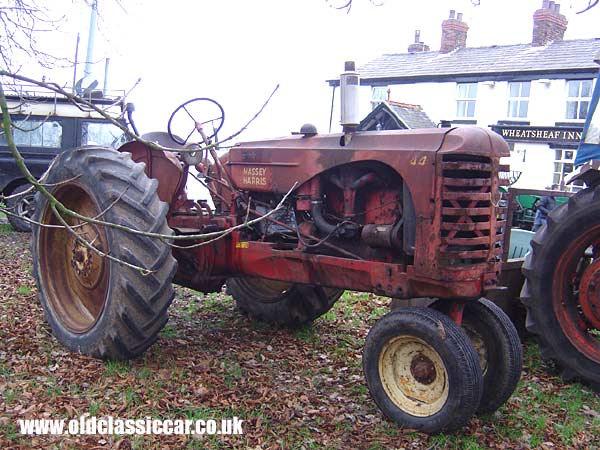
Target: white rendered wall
[(547, 105)]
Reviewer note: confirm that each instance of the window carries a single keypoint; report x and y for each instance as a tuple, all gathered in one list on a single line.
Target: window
[(378, 95), (563, 167), (579, 94), (465, 103), (518, 99), (102, 133), (36, 133)]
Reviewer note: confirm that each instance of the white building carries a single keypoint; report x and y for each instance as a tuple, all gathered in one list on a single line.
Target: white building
[(536, 95)]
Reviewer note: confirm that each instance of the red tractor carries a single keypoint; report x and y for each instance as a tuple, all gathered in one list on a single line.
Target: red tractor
[(404, 214)]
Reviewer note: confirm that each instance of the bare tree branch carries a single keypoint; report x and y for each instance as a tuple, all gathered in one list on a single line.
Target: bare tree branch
[(348, 5), (21, 24), (590, 5)]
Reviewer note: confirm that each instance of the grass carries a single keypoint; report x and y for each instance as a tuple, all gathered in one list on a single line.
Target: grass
[(300, 389), (24, 290), (6, 229), (169, 332), (112, 368), (9, 396), (94, 408), (233, 372), (307, 334)]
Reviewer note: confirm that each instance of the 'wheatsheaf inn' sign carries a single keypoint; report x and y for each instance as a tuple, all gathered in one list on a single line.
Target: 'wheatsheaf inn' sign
[(547, 135)]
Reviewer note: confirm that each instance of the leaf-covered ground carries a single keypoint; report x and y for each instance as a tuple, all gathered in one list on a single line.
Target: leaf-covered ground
[(302, 389)]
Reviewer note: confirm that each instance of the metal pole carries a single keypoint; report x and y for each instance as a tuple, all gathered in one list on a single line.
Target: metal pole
[(76, 62), (91, 36), (105, 77), (331, 112)]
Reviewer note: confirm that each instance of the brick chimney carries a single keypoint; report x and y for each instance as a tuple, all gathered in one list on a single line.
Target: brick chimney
[(548, 24), (454, 33), (418, 46)]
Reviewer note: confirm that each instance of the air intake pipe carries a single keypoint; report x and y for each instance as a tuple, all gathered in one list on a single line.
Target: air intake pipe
[(342, 229)]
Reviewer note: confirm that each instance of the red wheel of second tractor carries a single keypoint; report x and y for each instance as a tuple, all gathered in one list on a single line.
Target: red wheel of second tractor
[(562, 289)]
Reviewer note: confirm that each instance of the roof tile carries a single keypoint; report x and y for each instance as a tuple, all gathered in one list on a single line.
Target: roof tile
[(559, 56)]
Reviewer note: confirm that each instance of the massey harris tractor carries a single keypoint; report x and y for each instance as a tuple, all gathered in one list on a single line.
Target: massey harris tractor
[(405, 214)]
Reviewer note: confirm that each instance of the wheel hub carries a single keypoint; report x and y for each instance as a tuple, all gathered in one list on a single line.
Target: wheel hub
[(413, 375), (423, 369), (86, 264), (589, 294), (26, 206)]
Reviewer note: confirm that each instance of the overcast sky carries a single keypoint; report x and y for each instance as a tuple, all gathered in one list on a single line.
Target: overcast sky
[(237, 51)]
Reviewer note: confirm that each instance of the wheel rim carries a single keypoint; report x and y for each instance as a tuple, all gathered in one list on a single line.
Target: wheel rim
[(75, 279), (26, 206), (413, 376), (479, 345), (576, 293)]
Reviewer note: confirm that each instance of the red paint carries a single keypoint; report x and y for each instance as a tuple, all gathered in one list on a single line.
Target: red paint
[(449, 175), (575, 311)]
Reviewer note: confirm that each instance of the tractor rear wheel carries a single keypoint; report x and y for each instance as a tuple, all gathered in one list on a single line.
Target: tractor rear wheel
[(562, 287), (422, 370), (281, 303), (94, 305)]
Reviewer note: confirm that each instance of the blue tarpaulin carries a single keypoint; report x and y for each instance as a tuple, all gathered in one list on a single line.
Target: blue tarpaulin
[(589, 147)]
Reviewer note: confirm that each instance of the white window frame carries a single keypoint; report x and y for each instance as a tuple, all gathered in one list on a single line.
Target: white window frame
[(564, 160), (466, 103), (582, 97), (520, 102)]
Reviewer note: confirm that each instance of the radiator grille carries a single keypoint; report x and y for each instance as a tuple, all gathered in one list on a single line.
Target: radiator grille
[(472, 212)]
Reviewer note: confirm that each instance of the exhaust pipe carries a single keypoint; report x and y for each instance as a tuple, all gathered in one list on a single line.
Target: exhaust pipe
[(349, 87)]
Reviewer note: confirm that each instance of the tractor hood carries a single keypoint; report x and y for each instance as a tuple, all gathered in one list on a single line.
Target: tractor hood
[(274, 165)]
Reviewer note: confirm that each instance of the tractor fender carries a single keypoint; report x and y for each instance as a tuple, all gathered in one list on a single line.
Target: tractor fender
[(162, 166)]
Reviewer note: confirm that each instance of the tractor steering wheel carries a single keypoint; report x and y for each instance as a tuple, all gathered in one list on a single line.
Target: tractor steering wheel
[(192, 116)]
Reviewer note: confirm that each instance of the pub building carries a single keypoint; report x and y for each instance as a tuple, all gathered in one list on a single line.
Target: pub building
[(535, 95)]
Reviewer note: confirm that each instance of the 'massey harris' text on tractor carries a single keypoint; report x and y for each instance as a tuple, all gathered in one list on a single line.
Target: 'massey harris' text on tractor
[(404, 214)]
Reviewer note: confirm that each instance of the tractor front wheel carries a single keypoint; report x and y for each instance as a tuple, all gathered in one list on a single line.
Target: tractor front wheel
[(422, 370), (281, 303), (94, 305)]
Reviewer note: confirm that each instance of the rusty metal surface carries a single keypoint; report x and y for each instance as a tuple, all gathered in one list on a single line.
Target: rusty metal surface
[(163, 166), (589, 294), (449, 177), (76, 279)]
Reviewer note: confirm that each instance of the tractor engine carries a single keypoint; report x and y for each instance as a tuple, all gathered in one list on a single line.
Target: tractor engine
[(399, 213)]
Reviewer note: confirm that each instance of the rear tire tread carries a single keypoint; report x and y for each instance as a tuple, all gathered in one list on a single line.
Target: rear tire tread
[(137, 305)]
